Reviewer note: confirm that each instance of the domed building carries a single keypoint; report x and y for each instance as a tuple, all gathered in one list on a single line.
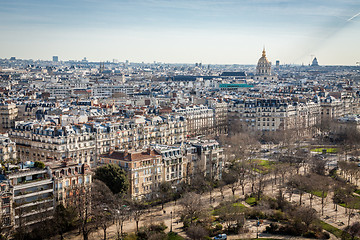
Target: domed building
[(315, 62), (263, 68)]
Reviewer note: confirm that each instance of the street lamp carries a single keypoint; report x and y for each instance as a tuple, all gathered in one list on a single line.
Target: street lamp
[(171, 221)]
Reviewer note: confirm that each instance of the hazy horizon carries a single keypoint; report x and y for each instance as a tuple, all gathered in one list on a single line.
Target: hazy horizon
[(211, 32)]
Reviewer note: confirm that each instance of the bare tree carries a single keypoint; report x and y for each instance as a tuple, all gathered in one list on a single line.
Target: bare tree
[(103, 206), (138, 209), (83, 205), (191, 206), (231, 179), (196, 232), (123, 213), (354, 230)]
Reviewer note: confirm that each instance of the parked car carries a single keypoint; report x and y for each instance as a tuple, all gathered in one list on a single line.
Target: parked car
[(221, 237)]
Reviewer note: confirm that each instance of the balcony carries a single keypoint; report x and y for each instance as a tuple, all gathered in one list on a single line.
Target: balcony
[(27, 173), (26, 195), (45, 200), (32, 183), (35, 212)]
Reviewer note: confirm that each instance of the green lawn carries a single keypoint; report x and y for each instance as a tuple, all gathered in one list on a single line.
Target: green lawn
[(238, 205), (337, 232), (262, 166), (356, 204), (251, 201), (328, 150), (318, 193), (174, 236)]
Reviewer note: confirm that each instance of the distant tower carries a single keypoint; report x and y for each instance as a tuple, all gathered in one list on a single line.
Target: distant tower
[(264, 66), (55, 58), (277, 63), (314, 62), (102, 67)]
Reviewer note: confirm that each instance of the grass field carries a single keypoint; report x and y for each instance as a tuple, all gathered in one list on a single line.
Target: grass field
[(174, 236), (319, 193), (356, 204), (328, 150), (262, 166), (239, 206), (337, 232), (251, 201)]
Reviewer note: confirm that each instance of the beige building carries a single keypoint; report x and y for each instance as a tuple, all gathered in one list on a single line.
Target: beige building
[(8, 114), (49, 142), (70, 180), (275, 114), (220, 109), (210, 159), (7, 149), (199, 119), (145, 170), (142, 131)]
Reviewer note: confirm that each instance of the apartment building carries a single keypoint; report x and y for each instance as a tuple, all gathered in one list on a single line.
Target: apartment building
[(199, 119), (8, 114), (275, 114), (145, 170), (59, 90), (174, 163), (70, 181), (32, 190), (46, 141), (220, 111), (164, 163), (29, 194), (7, 149), (331, 108), (106, 91), (210, 160), (6, 214), (142, 131)]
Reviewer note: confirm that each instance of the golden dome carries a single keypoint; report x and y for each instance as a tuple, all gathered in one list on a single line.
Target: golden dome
[(263, 66), (263, 59)]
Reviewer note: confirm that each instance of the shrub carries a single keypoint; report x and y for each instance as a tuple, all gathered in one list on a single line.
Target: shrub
[(272, 228), (39, 164)]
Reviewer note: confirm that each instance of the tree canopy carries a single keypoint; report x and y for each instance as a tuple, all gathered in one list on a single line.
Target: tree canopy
[(114, 177)]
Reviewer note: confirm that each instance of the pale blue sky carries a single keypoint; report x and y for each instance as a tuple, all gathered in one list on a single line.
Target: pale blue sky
[(186, 31)]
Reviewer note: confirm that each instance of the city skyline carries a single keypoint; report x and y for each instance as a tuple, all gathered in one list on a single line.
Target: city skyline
[(211, 32)]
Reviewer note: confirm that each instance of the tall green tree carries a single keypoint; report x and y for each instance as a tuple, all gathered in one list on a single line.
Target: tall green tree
[(64, 219), (114, 177)]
